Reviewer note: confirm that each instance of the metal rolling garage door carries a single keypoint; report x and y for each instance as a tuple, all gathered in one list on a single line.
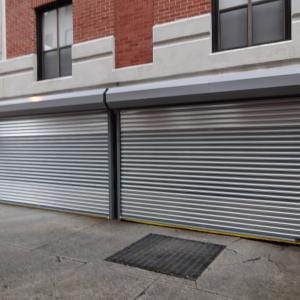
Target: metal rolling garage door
[(56, 161), (229, 167)]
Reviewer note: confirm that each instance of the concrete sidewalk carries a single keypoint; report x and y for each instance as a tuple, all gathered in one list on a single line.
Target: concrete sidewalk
[(49, 255)]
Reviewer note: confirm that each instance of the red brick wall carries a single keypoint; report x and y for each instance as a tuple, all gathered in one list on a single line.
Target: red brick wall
[(131, 22), (37, 3), (170, 10), (92, 19), (133, 32), (20, 28)]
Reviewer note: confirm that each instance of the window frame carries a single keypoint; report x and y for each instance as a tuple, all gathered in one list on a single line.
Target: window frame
[(216, 27), (39, 29)]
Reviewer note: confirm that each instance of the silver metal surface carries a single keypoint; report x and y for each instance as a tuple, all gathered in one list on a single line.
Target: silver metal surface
[(56, 161), (53, 103), (241, 85), (225, 166)]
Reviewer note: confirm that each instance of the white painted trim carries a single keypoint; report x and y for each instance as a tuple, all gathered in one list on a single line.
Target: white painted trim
[(97, 48), (3, 23)]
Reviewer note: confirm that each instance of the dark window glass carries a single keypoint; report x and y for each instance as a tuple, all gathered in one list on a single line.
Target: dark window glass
[(51, 64), (268, 22), (56, 42), (242, 23), (233, 29), (66, 61)]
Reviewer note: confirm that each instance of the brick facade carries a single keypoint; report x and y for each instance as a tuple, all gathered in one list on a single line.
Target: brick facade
[(133, 32), (92, 19), (171, 10), (20, 24), (131, 22), (37, 3)]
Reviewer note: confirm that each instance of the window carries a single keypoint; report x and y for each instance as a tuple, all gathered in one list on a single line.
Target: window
[(55, 38), (244, 23)]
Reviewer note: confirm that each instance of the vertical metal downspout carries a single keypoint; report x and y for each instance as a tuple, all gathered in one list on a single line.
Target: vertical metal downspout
[(113, 146), (118, 164)]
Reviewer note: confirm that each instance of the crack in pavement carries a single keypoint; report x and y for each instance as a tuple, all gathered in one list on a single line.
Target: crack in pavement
[(74, 270), (60, 258), (251, 260), (235, 241), (276, 264), (236, 252), (214, 293), (144, 291)]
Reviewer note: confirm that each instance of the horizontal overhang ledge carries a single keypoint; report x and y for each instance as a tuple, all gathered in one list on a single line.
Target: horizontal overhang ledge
[(53, 103), (203, 89)]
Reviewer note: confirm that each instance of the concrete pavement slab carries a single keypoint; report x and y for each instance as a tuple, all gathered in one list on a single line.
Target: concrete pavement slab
[(241, 276), (26, 274), (95, 281), (41, 227), (9, 211), (50, 255), (161, 291)]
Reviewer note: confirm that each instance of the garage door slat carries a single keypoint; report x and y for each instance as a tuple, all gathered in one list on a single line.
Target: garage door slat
[(57, 161), (232, 167)]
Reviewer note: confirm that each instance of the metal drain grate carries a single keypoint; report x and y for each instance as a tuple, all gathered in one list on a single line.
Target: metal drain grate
[(172, 256)]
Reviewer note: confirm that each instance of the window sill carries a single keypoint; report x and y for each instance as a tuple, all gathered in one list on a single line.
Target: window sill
[(272, 44), (57, 79)]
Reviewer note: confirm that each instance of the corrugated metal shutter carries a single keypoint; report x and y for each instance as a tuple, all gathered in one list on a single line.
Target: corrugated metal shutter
[(232, 167), (56, 161)]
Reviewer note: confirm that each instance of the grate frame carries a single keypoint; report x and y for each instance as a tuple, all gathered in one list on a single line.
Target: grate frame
[(168, 255)]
